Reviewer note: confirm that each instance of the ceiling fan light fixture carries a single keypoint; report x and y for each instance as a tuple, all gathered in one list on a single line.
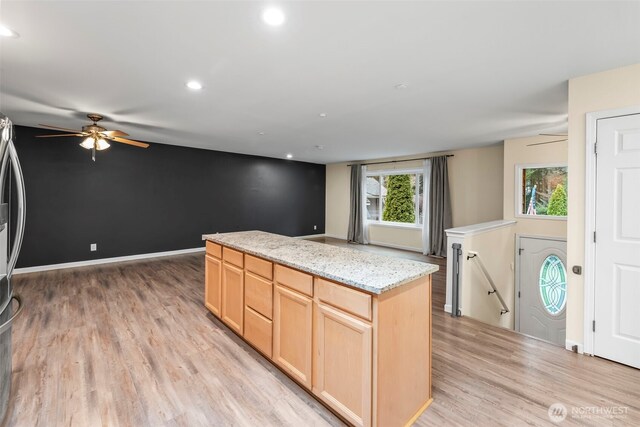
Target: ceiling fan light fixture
[(101, 144), (95, 136), (87, 143)]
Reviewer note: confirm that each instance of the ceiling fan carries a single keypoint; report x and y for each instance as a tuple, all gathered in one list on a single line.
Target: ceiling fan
[(96, 136)]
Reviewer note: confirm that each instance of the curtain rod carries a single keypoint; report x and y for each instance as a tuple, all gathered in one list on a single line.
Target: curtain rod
[(398, 161)]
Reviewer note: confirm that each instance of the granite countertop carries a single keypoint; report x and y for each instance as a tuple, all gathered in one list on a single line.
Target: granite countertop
[(369, 272)]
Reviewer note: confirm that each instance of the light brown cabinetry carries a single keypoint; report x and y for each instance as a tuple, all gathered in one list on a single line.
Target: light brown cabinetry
[(366, 356), (232, 295), (258, 294), (258, 331), (342, 363), (232, 312), (213, 278), (292, 325), (258, 300), (259, 266), (213, 282), (214, 249)]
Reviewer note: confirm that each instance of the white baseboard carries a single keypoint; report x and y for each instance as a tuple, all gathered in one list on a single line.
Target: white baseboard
[(390, 245), (568, 344), (447, 308), (104, 261)]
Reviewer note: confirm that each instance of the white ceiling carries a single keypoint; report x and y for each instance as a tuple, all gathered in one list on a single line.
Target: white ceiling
[(477, 72)]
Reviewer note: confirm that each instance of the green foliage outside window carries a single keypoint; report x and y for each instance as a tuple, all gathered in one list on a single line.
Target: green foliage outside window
[(558, 202), (399, 204), (545, 180)]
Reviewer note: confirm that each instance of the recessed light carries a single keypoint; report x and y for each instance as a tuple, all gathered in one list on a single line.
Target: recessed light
[(261, 133), (8, 32), (323, 115), (320, 147), (273, 16), (401, 86), (289, 156), (194, 85)]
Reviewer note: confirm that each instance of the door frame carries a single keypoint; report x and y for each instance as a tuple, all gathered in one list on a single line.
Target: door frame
[(590, 217), (516, 313)]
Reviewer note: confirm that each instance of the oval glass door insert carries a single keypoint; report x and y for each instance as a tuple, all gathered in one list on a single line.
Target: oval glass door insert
[(553, 285)]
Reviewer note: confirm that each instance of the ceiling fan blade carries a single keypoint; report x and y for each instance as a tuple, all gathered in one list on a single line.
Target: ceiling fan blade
[(129, 141), (114, 133), (546, 142), (60, 134), (59, 128)]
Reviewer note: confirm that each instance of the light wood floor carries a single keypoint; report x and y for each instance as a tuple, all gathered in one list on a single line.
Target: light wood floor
[(132, 345)]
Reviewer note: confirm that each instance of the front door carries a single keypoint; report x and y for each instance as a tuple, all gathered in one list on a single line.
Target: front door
[(617, 269), (542, 289)]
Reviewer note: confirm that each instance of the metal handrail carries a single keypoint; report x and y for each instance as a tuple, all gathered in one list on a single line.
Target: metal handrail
[(476, 256)]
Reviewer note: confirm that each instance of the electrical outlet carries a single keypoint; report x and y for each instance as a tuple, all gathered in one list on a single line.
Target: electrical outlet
[(93, 247), (315, 227)]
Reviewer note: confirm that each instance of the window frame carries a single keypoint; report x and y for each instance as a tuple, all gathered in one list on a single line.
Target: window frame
[(518, 189), (388, 172)]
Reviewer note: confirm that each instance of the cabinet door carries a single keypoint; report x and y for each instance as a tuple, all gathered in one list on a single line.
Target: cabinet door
[(342, 363), (258, 294), (258, 331), (292, 317), (232, 297), (213, 277)]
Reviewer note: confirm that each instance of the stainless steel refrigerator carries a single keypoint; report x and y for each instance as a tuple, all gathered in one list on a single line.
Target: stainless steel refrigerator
[(11, 180)]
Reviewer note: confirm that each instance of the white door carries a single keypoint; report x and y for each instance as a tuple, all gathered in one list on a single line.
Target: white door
[(617, 269), (541, 310)]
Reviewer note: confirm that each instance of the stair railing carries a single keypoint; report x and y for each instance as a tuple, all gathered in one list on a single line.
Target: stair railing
[(487, 276)]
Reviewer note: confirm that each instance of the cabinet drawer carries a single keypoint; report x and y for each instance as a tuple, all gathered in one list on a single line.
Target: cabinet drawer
[(232, 256), (258, 294), (259, 266), (347, 299), (214, 249), (294, 279), (258, 331)]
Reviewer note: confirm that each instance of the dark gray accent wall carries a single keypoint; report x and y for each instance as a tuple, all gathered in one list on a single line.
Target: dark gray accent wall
[(163, 198)]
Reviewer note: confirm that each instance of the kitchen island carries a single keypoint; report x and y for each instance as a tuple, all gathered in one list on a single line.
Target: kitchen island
[(351, 327)]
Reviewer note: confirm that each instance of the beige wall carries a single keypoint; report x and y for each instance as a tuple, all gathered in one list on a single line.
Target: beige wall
[(493, 247), (519, 152), (608, 90), (475, 180), (497, 247), (337, 200)]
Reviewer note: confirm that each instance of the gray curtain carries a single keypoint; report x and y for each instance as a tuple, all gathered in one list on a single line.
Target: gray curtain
[(356, 232), (439, 206)]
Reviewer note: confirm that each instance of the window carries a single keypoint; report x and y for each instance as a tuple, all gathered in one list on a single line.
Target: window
[(553, 285), (395, 197), (542, 191)]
